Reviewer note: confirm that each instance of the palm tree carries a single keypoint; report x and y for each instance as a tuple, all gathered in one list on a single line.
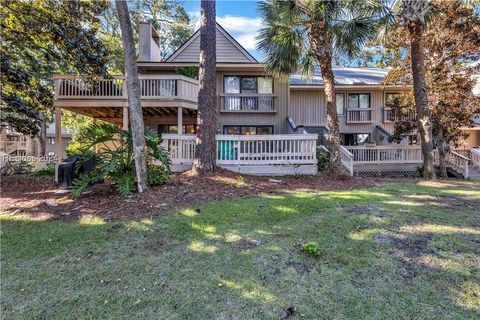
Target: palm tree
[(133, 91), (205, 154), (414, 14), (301, 34)]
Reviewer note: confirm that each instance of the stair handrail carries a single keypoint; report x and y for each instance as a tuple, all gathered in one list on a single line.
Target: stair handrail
[(347, 159), (459, 163)]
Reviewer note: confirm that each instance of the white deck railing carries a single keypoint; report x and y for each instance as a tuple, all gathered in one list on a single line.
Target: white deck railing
[(151, 87), (385, 154), (347, 159), (403, 155), (285, 149), (359, 115), (236, 102), (390, 115)]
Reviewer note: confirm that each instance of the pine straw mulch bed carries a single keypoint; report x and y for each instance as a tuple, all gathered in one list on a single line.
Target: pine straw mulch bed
[(37, 198)]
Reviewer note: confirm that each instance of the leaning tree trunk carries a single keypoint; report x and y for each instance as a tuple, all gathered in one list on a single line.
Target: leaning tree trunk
[(424, 120), (205, 152), (323, 51), (133, 92)]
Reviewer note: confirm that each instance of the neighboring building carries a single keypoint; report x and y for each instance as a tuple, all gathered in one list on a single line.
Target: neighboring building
[(50, 144), (473, 139), (249, 101), (17, 144)]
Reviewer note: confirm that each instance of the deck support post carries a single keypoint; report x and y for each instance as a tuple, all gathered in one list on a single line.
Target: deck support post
[(95, 148), (125, 118), (180, 120), (58, 139)]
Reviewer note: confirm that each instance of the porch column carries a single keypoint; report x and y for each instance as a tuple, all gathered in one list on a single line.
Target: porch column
[(180, 120), (125, 118), (58, 139)]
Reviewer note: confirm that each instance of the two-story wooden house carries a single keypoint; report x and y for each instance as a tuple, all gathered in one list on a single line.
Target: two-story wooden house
[(262, 121)]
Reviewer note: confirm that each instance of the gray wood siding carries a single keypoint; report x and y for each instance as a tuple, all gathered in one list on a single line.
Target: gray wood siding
[(277, 119), (226, 51), (307, 107)]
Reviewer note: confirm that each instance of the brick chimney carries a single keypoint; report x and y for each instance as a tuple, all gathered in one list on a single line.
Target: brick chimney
[(149, 49)]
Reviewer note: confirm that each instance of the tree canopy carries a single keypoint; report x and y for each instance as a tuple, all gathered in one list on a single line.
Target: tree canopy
[(40, 38), (453, 45), (44, 37)]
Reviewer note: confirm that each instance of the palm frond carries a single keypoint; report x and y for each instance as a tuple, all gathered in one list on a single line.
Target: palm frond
[(283, 39)]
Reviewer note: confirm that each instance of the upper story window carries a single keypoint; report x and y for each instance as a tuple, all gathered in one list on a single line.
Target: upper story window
[(51, 140), (359, 101), (390, 99), (340, 102), (247, 84)]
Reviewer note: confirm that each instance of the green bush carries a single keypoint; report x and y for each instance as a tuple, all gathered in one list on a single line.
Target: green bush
[(117, 160), (157, 175), (48, 171), (311, 248), (76, 147), (323, 159)]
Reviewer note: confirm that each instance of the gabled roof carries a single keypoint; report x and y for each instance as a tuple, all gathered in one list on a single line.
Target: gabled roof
[(344, 76), (228, 49)]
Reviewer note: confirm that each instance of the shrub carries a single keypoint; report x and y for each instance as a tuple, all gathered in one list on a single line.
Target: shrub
[(48, 171), (311, 248), (76, 147), (157, 175), (323, 159), (117, 159)]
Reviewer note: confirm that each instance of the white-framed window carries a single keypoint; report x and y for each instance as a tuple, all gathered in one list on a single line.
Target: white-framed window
[(354, 139), (248, 130), (359, 100), (247, 84), (412, 140), (51, 140), (340, 103)]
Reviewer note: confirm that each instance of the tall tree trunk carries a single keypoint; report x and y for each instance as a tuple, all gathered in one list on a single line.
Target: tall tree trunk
[(322, 47), (205, 152), (133, 91), (424, 120), (42, 135), (442, 155)]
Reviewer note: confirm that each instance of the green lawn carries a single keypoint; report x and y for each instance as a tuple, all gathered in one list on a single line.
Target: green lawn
[(398, 251)]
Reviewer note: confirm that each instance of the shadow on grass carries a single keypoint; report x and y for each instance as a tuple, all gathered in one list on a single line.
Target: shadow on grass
[(241, 258)]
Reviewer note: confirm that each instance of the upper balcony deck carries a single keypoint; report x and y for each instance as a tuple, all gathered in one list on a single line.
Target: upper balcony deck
[(155, 91)]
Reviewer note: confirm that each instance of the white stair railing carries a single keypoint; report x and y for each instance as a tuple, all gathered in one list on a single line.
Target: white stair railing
[(347, 159), (475, 157), (458, 163)]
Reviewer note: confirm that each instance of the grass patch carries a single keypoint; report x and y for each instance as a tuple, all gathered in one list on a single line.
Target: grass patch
[(401, 250)]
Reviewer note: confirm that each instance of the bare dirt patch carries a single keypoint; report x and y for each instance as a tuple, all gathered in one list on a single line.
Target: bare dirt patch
[(299, 267), (246, 244), (361, 210), (37, 198), (412, 251)]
